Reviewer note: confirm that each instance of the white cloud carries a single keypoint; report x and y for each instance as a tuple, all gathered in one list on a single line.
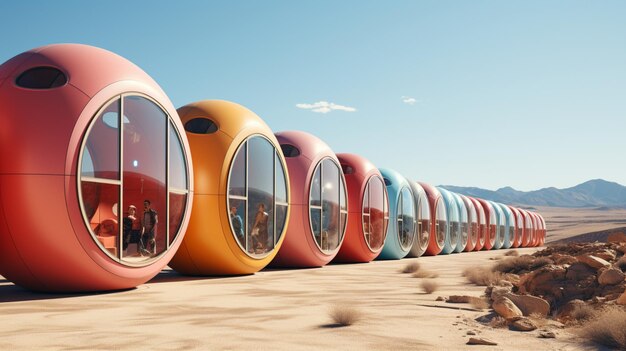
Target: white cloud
[(325, 107), (409, 100)]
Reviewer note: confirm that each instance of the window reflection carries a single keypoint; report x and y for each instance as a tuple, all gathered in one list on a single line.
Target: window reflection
[(441, 223), (257, 196), (423, 229), (327, 205), (405, 218), (375, 213)]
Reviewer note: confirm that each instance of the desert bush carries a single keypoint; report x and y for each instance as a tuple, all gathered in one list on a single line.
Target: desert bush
[(609, 328), (511, 253), (479, 303), (498, 322), (539, 319), (411, 267), (344, 315), (429, 286), (582, 313), (621, 263), (425, 274), (482, 276), (521, 263)]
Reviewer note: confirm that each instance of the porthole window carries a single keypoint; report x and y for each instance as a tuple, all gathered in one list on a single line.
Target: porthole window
[(257, 196), (139, 168), (347, 169), (289, 150), (201, 126), (41, 78), (327, 206), (406, 218), (375, 213)]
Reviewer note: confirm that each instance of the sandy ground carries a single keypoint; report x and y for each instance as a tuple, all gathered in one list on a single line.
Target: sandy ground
[(565, 223), (271, 310)]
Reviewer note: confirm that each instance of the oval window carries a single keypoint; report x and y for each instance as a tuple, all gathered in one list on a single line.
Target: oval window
[(289, 150), (201, 126), (41, 78)]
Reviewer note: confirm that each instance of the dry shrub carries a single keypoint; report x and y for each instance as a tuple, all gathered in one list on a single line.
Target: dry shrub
[(539, 319), (482, 276), (425, 274), (608, 329), (582, 313), (479, 303), (344, 315), (521, 263), (498, 322), (511, 253), (411, 267), (429, 286), (621, 263)]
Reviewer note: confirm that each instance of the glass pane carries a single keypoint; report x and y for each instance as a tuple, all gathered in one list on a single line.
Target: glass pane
[(330, 206), (408, 218), (281, 217), (101, 154), (237, 213), (99, 201), (441, 223), (177, 211), (316, 227), (378, 212), (178, 170), (342, 195), (316, 185), (367, 230), (281, 185), (145, 171), (238, 173), (260, 195)]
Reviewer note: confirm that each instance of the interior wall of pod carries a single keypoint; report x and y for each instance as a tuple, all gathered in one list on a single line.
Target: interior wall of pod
[(438, 219), (424, 227), (95, 191), (368, 210), (403, 218), (241, 202), (319, 204)]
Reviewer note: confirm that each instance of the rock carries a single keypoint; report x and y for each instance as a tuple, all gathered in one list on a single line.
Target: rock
[(506, 308), (498, 291), (563, 259), (622, 249), (523, 324), (481, 341), (565, 312), (593, 261), (607, 255), (547, 335), (617, 237), (547, 280), (529, 304), (622, 299), (459, 299), (611, 276), (440, 298), (579, 271), (470, 332)]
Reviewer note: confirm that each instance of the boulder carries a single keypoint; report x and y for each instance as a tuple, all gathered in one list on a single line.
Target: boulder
[(579, 271), (563, 259), (611, 276), (622, 299), (529, 304), (481, 341), (617, 237), (498, 291), (506, 308), (523, 324), (593, 261)]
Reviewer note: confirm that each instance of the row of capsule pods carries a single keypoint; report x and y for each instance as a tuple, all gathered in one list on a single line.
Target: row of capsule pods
[(103, 183)]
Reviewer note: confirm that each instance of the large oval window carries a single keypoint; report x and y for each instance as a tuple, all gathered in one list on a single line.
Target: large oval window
[(133, 182), (257, 196), (327, 206), (375, 213), (406, 218)]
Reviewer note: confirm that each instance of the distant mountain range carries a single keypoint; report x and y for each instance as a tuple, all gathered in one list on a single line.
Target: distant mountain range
[(593, 193)]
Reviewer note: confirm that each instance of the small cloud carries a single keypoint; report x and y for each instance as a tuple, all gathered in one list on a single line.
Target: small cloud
[(325, 107), (409, 100)]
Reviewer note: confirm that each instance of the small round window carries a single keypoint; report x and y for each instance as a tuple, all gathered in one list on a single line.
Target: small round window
[(257, 196), (327, 206), (133, 183), (375, 213), (201, 126), (406, 218), (41, 78)]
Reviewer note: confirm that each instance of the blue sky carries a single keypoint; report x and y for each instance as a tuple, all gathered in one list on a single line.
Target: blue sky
[(529, 94)]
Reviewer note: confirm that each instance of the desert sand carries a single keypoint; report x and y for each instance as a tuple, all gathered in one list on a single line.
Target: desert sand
[(567, 223), (282, 309)]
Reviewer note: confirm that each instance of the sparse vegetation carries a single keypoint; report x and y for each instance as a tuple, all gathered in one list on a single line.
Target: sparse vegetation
[(583, 313), (521, 263), (498, 322), (511, 253), (482, 276), (411, 268), (344, 315), (609, 328), (425, 274), (429, 286)]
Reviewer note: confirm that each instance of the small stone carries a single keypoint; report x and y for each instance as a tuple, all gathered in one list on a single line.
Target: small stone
[(547, 335), (593, 261), (440, 298), (459, 299), (471, 332), (481, 341), (523, 324), (506, 308), (611, 276)]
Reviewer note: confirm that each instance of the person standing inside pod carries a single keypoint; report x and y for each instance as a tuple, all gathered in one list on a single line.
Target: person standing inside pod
[(132, 228), (259, 230), (235, 219), (149, 223)]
